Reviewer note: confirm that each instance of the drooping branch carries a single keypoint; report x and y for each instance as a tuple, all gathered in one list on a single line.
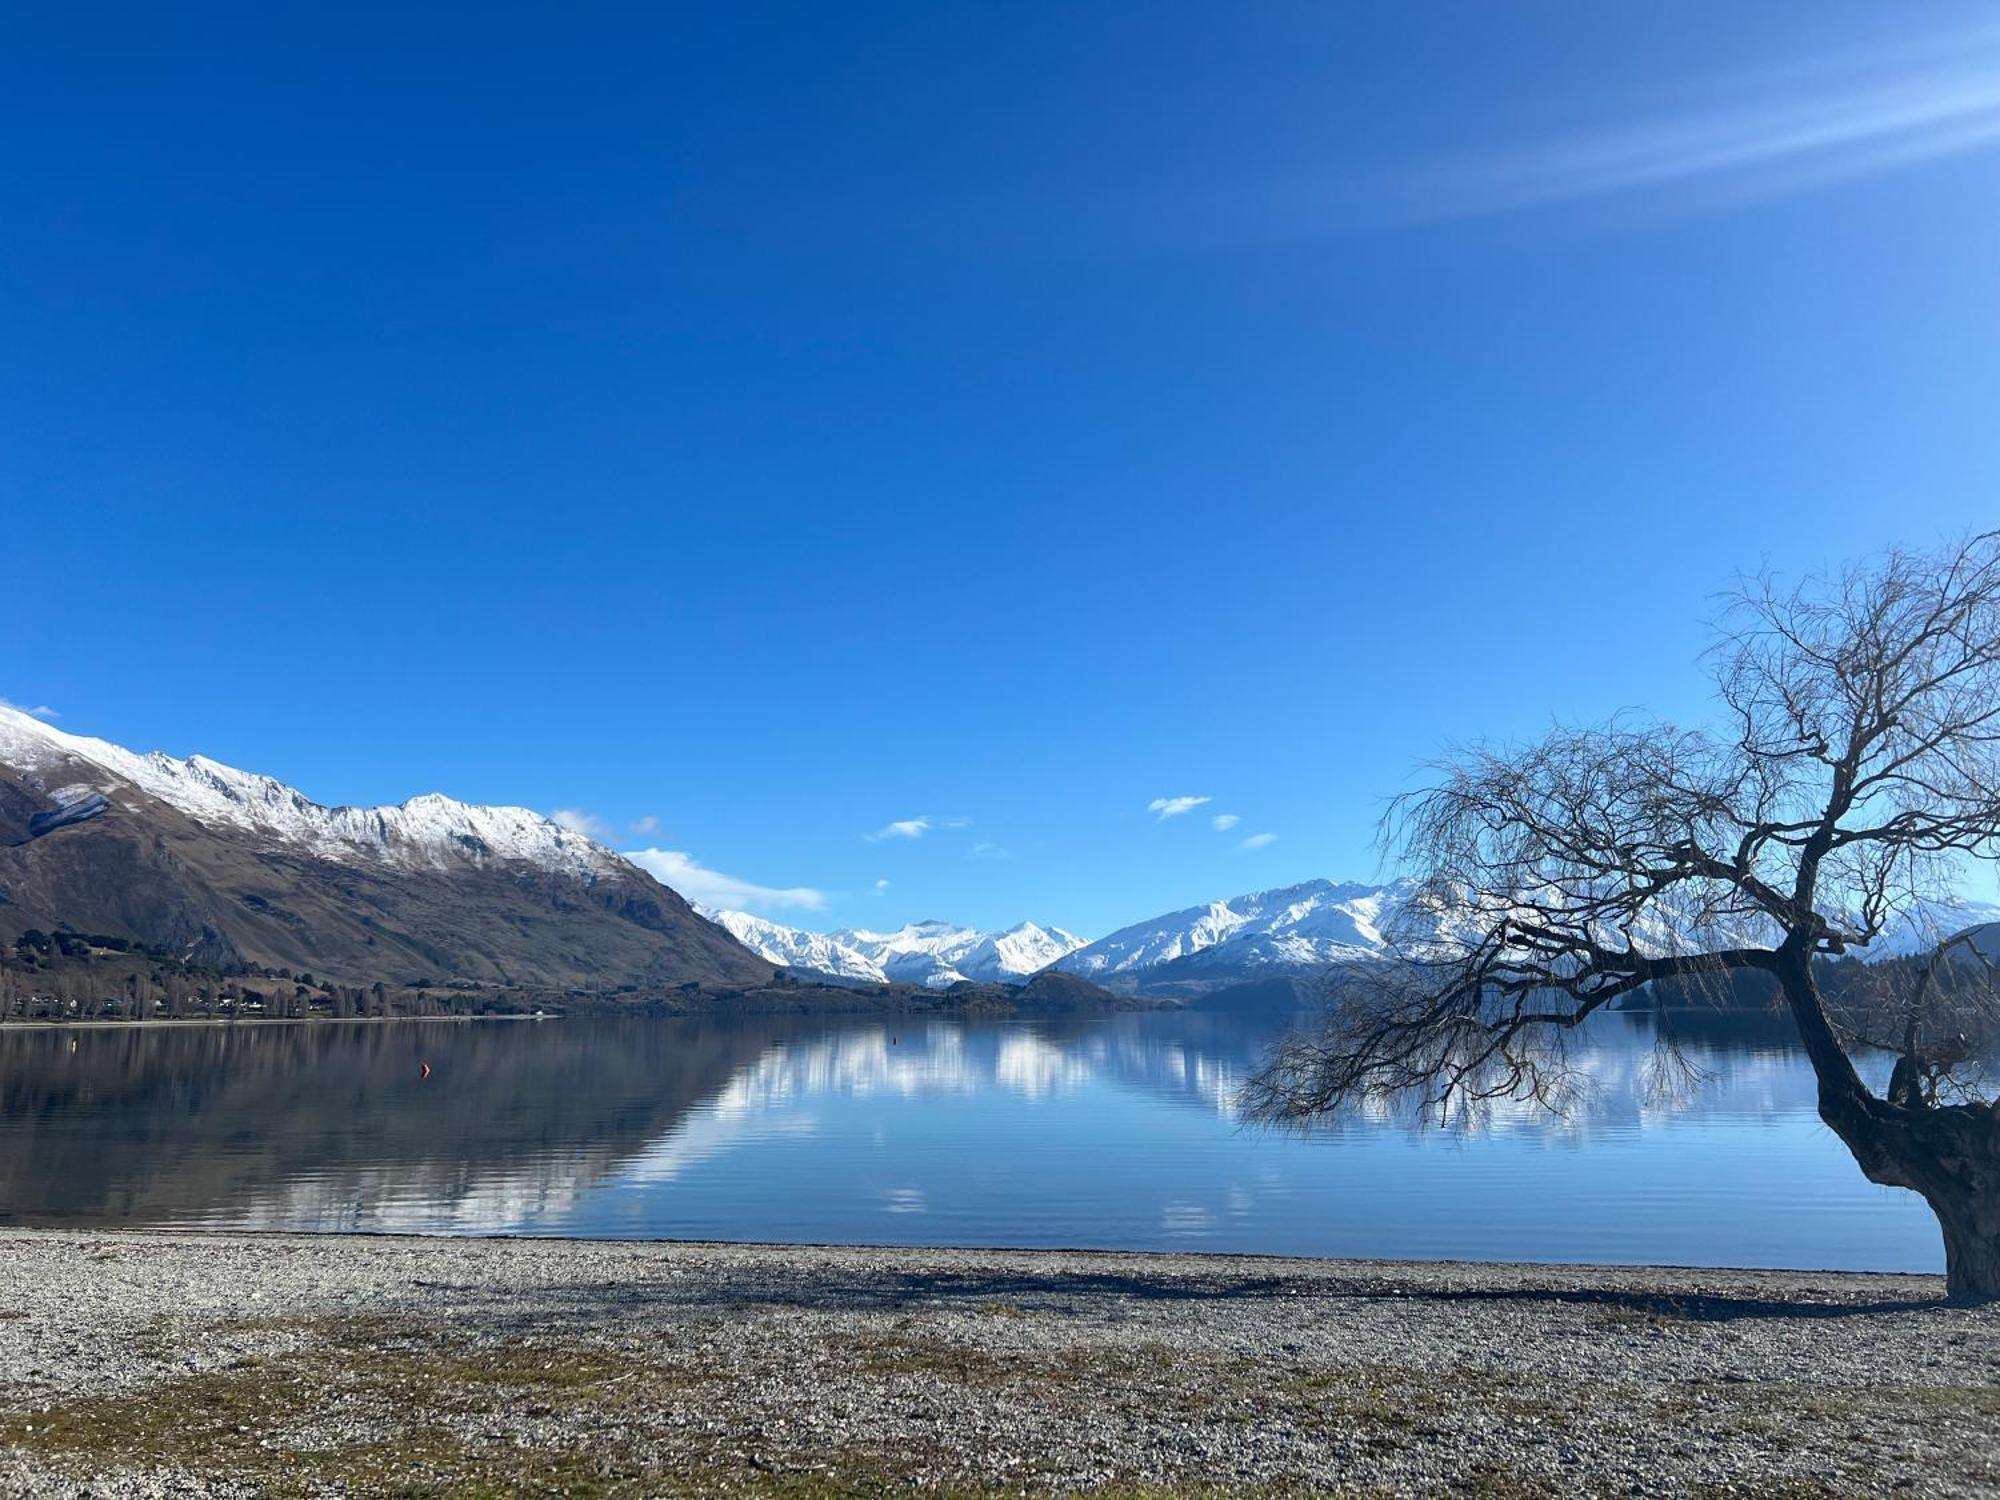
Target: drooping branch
[(1860, 765)]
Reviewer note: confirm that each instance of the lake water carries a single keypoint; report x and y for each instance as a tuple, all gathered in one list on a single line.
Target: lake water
[(1114, 1132)]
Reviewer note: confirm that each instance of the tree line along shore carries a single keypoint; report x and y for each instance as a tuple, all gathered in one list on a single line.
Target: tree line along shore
[(69, 978)]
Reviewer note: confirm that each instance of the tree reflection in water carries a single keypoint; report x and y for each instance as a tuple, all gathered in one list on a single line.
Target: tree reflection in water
[(1117, 1131)]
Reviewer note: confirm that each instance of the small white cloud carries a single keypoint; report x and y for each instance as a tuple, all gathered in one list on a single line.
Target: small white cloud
[(705, 887), (576, 820), (881, 886), (647, 824), (912, 828), (1223, 822), (987, 849), (1163, 808), (1258, 841), (38, 711)]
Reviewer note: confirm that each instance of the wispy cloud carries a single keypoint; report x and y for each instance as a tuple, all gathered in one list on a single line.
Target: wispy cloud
[(987, 849), (881, 887), (1258, 841), (1774, 131), (1163, 808), (39, 710), (1223, 822), (576, 820), (705, 887), (912, 828), (647, 824)]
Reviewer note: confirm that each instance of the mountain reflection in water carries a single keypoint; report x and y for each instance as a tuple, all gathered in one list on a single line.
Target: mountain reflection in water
[(1114, 1132)]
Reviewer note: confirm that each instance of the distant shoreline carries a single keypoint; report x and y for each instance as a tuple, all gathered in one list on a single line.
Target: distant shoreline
[(201, 1363), (96, 1023), (763, 1005)]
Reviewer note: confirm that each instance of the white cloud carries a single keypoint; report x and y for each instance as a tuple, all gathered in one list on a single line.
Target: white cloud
[(1258, 841), (38, 711), (1163, 808), (1223, 822), (987, 849), (881, 886), (912, 828), (1703, 142), (576, 820), (1766, 133), (647, 824), (705, 887)]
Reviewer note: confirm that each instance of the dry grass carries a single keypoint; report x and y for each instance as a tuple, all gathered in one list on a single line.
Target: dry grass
[(400, 1407)]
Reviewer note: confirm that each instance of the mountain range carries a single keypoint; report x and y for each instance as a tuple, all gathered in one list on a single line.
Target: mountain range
[(221, 866), (933, 954), (1291, 932)]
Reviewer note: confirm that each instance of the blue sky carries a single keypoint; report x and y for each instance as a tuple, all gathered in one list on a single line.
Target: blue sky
[(758, 427)]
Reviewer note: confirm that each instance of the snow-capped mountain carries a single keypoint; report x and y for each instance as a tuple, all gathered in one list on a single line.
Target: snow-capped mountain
[(933, 954), (1934, 922), (1314, 923), (925, 953), (1319, 923), (226, 866), (84, 775), (795, 948), (1022, 950)]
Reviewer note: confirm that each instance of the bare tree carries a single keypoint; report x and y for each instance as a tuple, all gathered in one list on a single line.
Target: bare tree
[(1852, 780)]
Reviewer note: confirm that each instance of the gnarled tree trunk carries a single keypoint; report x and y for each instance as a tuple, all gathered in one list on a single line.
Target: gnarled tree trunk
[(1950, 1154)]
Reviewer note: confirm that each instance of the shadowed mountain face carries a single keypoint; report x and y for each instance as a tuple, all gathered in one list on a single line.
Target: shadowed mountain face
[(219, 866)]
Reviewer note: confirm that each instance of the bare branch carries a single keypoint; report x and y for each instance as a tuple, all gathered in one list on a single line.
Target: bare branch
[(1855, 770)]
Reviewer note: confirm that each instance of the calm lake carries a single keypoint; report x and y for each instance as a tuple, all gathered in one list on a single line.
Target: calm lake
[(1114, 1132)]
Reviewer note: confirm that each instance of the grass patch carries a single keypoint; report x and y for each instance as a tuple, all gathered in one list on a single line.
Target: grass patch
[(402, 1407), (1981, 1399), (402, 1404)]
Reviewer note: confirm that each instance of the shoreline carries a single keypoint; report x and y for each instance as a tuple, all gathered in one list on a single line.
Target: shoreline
[(226, 1363), (1174, 1259), (41, 1023)]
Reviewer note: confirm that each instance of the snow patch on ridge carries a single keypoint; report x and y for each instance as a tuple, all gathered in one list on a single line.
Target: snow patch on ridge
[(431, 831), (933, 954)]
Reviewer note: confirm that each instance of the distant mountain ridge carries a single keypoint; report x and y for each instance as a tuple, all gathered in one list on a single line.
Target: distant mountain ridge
[(1316, 925), (933, 954), (219, 865), (200, 859), (1315, 922), (1288, 932)]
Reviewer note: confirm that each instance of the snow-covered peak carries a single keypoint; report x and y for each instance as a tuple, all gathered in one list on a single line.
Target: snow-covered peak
[(1316, 921), (795, 948), (430, 831), (1323, 922), (935, 954), (1022, 950), (1970, 927)]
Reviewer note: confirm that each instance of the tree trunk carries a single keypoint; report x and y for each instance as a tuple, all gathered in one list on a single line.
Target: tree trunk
[(1949, 1154)]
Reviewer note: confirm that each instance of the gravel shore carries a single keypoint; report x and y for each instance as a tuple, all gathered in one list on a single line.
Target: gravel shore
[(153, 1364)]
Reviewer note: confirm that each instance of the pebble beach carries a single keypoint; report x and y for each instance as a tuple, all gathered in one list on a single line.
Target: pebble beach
[(168, 1364)]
